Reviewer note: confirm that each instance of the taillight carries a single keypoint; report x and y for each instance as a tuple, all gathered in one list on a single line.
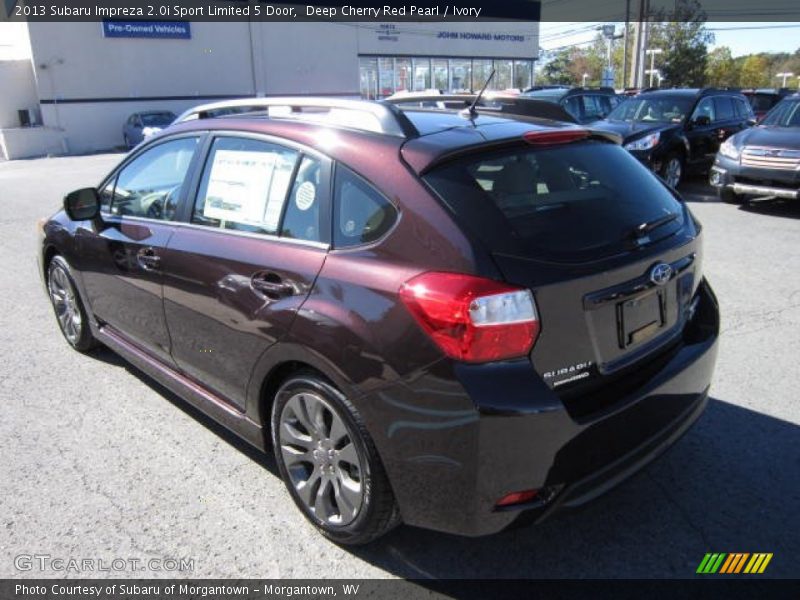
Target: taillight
[(517, 498), (473, 319)]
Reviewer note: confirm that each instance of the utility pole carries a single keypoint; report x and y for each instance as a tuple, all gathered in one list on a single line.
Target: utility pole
[(639, 44), (652, 52), (785, 77), (625, 44)]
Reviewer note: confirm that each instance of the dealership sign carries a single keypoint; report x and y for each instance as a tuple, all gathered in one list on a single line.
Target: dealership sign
[(178, 30)]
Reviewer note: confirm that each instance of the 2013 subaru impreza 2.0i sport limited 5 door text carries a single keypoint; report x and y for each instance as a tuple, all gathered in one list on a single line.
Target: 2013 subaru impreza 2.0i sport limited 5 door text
[(444, 319)]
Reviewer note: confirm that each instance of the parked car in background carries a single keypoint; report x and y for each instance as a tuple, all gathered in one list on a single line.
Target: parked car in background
[(675, 131), (763, 100), (141, 125), (442, 320), (586, 105), (763, 160)]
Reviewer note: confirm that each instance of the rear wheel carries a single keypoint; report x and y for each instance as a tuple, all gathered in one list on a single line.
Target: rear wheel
[(68, 307), (329, 463), (672, 170), (729, 196)]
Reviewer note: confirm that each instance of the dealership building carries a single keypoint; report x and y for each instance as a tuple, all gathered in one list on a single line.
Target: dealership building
[(84, 79)]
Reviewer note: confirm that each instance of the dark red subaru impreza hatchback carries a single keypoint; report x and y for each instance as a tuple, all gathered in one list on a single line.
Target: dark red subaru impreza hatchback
[(439, 318)]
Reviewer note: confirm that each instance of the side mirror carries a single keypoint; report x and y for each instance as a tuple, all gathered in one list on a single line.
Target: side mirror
[(702, 121), (752, 122), (82, 205)]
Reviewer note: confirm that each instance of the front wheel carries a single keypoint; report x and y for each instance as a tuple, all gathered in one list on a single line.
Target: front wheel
[(329, 463), (672, 170), (67, 304)]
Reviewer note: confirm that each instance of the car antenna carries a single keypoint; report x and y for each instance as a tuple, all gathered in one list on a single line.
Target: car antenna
[(470, 112)]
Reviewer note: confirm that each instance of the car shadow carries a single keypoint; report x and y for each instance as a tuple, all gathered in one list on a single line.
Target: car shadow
[(266, 460), (774, 207), (695, 188), (729, 485)]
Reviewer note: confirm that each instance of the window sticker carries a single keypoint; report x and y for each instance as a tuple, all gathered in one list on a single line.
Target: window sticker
[(305, 195), (242, 187)]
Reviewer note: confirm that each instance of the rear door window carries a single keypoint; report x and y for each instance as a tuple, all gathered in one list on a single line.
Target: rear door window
[(575, 202), (705, 109), (724, 108), (257, 186), (592, 109)]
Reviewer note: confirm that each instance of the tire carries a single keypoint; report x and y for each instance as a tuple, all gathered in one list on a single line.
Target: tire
[(68, 306), (672, 171), (329, 463), (729, 196)]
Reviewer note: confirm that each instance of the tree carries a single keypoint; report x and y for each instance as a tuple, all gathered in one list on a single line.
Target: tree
[(556, 69), (721, 68), (754, 72), (685, 42)]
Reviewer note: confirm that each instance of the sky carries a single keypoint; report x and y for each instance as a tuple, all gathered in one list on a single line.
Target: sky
[(758, 37)]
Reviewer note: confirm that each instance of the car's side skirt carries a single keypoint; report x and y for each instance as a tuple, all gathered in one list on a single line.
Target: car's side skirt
[(201, 398)]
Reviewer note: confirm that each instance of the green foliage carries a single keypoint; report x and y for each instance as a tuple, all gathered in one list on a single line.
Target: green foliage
[(685, 44), (721, 68), (754, 72)]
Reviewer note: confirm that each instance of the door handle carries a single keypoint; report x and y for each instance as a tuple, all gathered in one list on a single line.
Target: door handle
[(148, 259), (271, 285)]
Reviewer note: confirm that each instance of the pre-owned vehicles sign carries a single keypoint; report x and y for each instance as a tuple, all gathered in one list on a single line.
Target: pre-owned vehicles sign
[(147, 29)]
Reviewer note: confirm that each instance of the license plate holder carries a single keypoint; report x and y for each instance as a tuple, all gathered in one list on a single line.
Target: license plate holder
[(640, 318)]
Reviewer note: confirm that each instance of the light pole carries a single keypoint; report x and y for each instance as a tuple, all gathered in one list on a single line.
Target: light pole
[(652, 52), (785, 76)]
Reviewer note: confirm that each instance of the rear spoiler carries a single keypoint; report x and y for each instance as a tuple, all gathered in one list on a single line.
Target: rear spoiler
[(505, 105), (422, 163)]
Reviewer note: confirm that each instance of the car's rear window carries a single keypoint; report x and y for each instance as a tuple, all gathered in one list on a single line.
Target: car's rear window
[(574, 202)]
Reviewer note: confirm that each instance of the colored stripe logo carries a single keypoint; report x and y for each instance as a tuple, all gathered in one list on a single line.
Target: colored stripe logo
[(734, 563)]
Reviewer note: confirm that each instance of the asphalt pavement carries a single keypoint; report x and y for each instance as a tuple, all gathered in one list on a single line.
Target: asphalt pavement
[(99, 462)]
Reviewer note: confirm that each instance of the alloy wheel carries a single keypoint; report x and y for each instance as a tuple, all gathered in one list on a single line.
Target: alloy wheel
[(62, 295), (325, 467), (672, 172)]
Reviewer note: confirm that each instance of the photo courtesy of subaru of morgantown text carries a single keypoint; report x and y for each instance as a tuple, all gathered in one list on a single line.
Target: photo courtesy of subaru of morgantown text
[(466, 303)]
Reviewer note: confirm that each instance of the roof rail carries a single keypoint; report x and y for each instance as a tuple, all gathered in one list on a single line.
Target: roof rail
[(380, 117)]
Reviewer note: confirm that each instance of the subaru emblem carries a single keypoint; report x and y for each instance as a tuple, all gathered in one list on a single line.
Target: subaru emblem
[(661, 274)]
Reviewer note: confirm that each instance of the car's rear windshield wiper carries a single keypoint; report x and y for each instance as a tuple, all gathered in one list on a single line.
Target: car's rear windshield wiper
[(648, 226)]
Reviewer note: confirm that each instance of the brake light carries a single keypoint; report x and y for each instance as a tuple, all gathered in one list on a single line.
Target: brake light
[(565, 136), (517, 498), (473, 319)]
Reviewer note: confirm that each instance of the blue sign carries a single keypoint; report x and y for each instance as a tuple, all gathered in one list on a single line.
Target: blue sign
[(174, 30)]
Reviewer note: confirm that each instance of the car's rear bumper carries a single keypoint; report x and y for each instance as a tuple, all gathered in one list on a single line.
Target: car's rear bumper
[(458, 438)]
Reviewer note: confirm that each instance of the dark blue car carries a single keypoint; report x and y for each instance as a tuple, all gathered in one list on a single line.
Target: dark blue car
[(140, 126)]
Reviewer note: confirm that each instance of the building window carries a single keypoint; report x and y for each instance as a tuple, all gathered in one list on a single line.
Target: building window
[(422, 74), (403, 75), (380, 77), (386, 75), (460, 75), (440, 74), (522, 74), (368, 71), (481, 70), (502, 78)]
